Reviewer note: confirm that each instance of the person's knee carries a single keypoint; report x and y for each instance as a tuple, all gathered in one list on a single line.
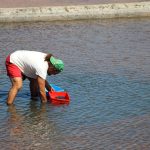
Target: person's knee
[(17, 83), (18, 86)]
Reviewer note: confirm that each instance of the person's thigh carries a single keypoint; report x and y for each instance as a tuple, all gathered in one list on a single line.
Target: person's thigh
[(16, 86), (12, 70)]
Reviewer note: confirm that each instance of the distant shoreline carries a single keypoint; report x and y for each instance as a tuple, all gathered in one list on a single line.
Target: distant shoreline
[(47, 3), (55, 13)]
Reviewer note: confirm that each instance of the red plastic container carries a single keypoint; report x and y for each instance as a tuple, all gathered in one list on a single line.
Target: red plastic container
[(58, 98)]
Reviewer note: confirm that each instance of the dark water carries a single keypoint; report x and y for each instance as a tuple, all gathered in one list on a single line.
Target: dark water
[(107, 73)]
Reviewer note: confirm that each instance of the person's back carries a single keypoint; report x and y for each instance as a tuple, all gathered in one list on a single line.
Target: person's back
[(31, 63)]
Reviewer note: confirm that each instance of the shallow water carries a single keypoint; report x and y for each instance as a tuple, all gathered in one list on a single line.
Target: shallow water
[(107, 75)]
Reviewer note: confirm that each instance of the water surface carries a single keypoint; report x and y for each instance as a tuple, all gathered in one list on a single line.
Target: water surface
[(107, 75)]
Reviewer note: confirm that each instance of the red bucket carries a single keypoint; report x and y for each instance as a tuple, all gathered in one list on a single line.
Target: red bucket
[(59, 97)]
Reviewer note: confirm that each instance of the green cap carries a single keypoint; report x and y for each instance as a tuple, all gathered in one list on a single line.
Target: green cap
[(57, 63)]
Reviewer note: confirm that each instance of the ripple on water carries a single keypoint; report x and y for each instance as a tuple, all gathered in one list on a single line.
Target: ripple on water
[(107, 76)]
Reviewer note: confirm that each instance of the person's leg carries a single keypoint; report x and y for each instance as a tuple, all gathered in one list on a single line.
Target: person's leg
[(16, 86), (15, 76), (34, 88)]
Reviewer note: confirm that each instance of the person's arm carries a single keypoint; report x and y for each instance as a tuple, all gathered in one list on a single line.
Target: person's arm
[(47, 86), (41, 83)]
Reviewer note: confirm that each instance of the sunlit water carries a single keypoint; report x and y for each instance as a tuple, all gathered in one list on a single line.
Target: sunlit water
[(107, 74)]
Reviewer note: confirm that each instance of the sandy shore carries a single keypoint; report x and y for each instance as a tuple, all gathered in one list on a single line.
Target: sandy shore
[(37, 3)]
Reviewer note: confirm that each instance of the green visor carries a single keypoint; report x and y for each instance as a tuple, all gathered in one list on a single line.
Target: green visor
[(57, 63)]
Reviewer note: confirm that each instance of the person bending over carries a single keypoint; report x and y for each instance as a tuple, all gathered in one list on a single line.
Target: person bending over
[(35, 66)]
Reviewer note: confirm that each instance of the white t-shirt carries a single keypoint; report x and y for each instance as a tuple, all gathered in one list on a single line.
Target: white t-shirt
[(31, 63)]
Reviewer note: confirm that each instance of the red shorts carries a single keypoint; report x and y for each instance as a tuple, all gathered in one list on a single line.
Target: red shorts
[(12, 70)]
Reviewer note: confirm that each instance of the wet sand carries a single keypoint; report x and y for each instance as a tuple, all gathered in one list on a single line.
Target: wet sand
[(37, 3)]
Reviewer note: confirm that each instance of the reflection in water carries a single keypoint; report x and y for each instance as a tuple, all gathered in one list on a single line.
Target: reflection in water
[(32, 130), (14, 121), (35, 132)]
